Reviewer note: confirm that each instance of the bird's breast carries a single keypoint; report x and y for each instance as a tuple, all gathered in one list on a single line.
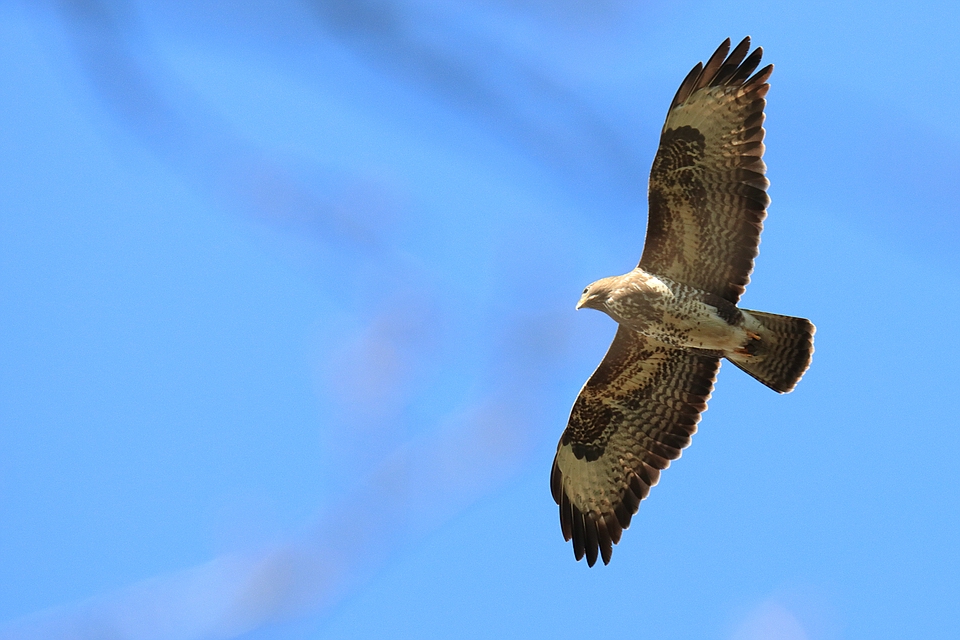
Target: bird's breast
[(679, 316)]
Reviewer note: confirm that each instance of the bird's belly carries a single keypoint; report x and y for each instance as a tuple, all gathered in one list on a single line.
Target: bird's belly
[(705, 331), (694, 326)]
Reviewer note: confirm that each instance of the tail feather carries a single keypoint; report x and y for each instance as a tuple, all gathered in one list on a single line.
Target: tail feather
[(782, 353)]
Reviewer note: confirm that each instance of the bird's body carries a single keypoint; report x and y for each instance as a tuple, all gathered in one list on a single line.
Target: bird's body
[(677, 310), (672, 313)]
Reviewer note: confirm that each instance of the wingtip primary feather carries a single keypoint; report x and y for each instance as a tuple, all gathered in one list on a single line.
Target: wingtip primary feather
[(556, 482), (731, 64), (714, 63), (724, 67), (579, 534), (747, 67), (687, 86), (760, 77), (566, 517)]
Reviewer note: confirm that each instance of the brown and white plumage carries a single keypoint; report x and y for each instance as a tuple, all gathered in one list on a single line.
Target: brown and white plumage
[(707, 193), (677, 310), (634, 415)]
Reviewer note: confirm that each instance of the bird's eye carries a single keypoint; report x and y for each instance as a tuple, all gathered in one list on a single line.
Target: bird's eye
[(585, 290)]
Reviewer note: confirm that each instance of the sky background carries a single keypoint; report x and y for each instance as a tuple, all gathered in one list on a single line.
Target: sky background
[(287, 327)]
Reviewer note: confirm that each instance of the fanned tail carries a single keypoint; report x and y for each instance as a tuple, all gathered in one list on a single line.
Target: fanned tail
[(781, 354)]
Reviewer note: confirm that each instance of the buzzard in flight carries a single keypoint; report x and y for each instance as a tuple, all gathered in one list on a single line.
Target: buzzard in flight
[(677, 311)]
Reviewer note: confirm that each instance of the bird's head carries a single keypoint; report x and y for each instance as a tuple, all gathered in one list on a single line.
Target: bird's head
[(595, 295)]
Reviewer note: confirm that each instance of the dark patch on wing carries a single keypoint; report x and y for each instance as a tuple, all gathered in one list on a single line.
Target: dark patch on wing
[(588, 422), (682, 147), (680, 151), (589, 451), (632, 417), (707, 193)]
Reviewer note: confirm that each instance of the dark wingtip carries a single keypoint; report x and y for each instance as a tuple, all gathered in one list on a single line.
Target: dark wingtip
[(594, 534), (566, 518), (760, 76), (747, 66), (556, 481), (591, 545), (722, 68), (731, 64), (604, 539), (688, 85), (578, 533)]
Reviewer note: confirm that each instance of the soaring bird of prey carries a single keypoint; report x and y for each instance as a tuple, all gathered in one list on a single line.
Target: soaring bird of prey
[(677, 311)]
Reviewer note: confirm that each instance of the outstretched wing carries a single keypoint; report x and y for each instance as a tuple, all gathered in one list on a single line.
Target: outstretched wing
[(633, 416), (707, 193)]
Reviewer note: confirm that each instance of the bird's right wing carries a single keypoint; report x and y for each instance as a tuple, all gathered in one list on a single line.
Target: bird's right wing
[(633, 416)]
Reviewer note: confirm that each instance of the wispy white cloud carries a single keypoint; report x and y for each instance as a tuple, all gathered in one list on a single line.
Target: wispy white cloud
[(419, 487), (770, 620)]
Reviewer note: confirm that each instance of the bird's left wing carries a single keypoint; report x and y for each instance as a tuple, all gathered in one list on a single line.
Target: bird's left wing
[(633, 416), (707, 193)]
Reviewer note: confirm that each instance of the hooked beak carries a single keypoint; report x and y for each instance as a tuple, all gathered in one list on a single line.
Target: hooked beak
[(583, 301)]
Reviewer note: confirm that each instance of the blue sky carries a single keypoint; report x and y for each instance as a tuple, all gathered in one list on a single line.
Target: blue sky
[(288, 340)]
